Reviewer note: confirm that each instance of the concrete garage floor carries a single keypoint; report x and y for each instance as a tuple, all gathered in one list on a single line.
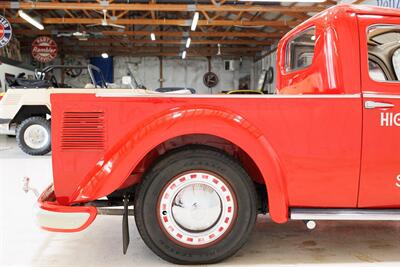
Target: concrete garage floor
[(23, 244)]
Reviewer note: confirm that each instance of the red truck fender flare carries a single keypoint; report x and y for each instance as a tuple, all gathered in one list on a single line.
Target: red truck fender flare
[(122, 159)]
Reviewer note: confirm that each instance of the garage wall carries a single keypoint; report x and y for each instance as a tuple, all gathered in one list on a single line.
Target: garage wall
[(182, 73), (264, 64), (176, 72)]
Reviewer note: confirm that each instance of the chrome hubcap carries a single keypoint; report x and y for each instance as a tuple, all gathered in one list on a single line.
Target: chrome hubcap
[(196, 208), (36, 136)]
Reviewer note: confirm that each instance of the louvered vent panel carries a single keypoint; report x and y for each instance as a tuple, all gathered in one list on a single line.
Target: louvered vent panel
[(83, 130)]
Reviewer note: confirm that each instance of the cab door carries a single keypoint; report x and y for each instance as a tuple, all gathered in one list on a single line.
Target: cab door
[(380, 73)]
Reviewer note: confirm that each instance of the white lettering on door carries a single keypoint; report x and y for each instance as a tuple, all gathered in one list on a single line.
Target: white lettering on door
[(389, 119), (398, 180)]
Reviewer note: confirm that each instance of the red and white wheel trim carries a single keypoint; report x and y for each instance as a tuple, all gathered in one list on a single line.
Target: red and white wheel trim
[(198, 191)]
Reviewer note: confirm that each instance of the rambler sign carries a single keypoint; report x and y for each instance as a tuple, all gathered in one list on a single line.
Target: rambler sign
[(5, 31), (44, 49)]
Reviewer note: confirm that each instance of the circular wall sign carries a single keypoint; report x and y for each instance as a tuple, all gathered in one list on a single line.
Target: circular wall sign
[(210, 79), (5, 31), (44, 49)]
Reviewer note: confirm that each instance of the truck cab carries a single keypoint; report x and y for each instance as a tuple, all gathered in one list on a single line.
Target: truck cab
[(199, 168), (352, 50)]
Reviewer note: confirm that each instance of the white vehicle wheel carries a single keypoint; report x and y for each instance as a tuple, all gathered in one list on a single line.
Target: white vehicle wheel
[(34, 136)]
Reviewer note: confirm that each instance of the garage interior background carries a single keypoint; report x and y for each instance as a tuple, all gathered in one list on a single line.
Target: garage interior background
[(234, 39)]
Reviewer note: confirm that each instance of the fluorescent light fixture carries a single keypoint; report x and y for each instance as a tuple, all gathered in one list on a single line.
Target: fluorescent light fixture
[(285, 1), (104, 55), (78, 34), (195, 21), (153, 36), (184, 54), (31, 20), (188, 42)]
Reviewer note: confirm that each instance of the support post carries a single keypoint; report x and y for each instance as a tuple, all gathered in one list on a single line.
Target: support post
[(161, 72)]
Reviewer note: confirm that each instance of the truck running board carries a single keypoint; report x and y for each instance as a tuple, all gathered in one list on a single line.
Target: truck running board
[(345, 214)]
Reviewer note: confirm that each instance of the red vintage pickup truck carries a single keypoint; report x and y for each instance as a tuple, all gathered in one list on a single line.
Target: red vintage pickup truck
[(199, 168)]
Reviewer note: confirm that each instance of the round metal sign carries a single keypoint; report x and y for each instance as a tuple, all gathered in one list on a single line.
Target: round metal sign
[(44, 49), (5, 31), (210, 79)]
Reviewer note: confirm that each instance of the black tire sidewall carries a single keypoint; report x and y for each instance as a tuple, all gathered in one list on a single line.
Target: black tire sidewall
[(20, 135), (211, 161)]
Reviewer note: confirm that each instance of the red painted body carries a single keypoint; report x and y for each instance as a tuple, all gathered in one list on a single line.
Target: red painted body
[(313, 144)]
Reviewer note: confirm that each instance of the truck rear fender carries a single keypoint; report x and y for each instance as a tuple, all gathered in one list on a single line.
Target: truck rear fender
[(119, 162)]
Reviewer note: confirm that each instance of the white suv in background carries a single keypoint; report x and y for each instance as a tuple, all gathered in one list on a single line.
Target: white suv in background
[(25, 109)]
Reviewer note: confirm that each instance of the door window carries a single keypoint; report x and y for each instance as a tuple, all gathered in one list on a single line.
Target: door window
[(375, 72), (396, 63), (384, 53)]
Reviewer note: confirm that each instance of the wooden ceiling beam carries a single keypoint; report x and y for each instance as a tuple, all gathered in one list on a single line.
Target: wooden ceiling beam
[(153, 13), (243, 34), (238, 49), (161, 7), (69, 13), (206, 15), (157, 54), (175, 42), (145, 51), (175, 22), (122, 13), (87, 13)]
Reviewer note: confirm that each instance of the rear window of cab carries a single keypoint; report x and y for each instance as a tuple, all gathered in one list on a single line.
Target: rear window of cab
[(300, 50)]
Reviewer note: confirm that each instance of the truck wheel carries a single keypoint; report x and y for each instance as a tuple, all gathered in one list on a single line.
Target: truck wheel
[(195, 206), (33, 136)]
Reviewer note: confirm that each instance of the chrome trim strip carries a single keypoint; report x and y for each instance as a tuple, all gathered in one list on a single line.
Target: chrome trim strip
[(345, 214), (381, 96), (161, 95)]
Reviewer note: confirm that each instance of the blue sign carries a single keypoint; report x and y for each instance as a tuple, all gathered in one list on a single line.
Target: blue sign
[(5, 31)]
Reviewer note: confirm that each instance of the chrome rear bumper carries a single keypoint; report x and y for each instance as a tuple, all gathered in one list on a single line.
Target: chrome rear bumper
[(54, 217)]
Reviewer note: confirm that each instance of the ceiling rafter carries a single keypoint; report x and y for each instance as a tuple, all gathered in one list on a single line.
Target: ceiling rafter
[(160, 7), (179, 41), (166, 49), (69, 13), (176, 22), (233, 24)]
